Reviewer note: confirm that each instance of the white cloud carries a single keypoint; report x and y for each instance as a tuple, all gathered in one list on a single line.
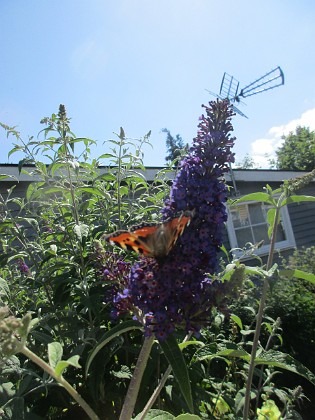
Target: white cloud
[(88, 60), (264, 149)]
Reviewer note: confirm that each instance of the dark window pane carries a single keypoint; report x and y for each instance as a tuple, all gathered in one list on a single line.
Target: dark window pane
[(243, 236), (256, 213), (280, 234), (261, 233)]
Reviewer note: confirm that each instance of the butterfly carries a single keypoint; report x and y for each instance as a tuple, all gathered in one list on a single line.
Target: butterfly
[(152, 240)]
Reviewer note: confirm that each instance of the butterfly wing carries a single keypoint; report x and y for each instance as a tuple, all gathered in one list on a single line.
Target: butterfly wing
[(175, 228), (152, 240), (138, 240)]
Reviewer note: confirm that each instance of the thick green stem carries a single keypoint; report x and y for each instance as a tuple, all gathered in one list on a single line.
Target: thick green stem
[(60, 379), (134, 386), (260, 317)]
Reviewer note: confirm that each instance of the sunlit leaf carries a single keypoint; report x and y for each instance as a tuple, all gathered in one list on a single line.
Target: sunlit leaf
[(81, 231), (63, 364), (259, 196), (55, 352), (237, 321), (297, 199), (286, 362), (299, 274), (4, 288), (156, 414)]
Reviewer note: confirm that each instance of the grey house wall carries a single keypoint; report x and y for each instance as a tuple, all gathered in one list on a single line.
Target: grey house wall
[(302, 218), (302, 215)]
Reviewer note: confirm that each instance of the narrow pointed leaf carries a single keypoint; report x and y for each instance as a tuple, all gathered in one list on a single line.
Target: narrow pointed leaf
[(310, 277), (110, 335), (237, 321), (93, 191), (190, 343), (297, 199), (286, 362), (259, 196), (176, 360)]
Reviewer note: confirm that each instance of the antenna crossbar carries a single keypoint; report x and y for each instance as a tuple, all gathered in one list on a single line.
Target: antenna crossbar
[(253, 88)]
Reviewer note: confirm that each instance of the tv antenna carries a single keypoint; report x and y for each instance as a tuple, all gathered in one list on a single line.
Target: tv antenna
[(230, 87)]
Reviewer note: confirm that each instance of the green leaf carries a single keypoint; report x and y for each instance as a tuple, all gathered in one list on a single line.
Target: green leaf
[(190, 343), (123, 191), (3, 176), (234, 272), (187, 416), (156, 414), (176, 360), (256, 271), (259, 196), (106, 156), (123, 373), (12, 409), (4, 288), (297, 199), (92, 191), (286, 362), (110, 335), (237, 321), (55, 352), (310, 277), (81, 231), (210, 352), (106, 177), (63, 364), (240, 399), (271, 214)]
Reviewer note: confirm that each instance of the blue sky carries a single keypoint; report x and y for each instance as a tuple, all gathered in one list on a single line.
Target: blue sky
[(144, 65)]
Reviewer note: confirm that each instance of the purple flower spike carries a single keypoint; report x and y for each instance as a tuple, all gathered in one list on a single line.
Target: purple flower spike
[(23, 268), (175, 291)]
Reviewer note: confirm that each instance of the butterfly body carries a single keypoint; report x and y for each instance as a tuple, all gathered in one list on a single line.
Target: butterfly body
[(152, 240)]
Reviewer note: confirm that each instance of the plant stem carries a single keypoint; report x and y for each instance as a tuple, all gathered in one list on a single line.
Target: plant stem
[(60, 379), (119, 179), (260, 316), (134, 386)]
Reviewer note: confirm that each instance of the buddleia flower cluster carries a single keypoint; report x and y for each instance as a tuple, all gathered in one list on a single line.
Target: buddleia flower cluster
[(114, 272), (178, 291)]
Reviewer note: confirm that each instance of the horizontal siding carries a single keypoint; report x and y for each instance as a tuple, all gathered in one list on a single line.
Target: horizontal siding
[(302, 218)]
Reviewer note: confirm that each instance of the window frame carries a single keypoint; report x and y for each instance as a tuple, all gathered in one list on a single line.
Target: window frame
[(288, 243)]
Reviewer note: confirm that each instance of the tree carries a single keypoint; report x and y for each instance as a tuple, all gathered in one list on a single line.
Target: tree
[(247, 162), (175, 146), (298, 150)]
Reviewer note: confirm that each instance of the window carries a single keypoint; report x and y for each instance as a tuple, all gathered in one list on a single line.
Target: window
[(247, 222)]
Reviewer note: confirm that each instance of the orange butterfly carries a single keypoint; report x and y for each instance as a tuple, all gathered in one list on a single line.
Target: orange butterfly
[(151, 240)]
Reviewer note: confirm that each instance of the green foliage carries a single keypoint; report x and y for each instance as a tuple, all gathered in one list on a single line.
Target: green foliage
[(292, 299), (175, 146), (51, 261), (48, 259), (298, 150), (247, 162)]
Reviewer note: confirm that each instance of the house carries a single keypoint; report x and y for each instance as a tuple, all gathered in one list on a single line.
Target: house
[(247, 220)]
